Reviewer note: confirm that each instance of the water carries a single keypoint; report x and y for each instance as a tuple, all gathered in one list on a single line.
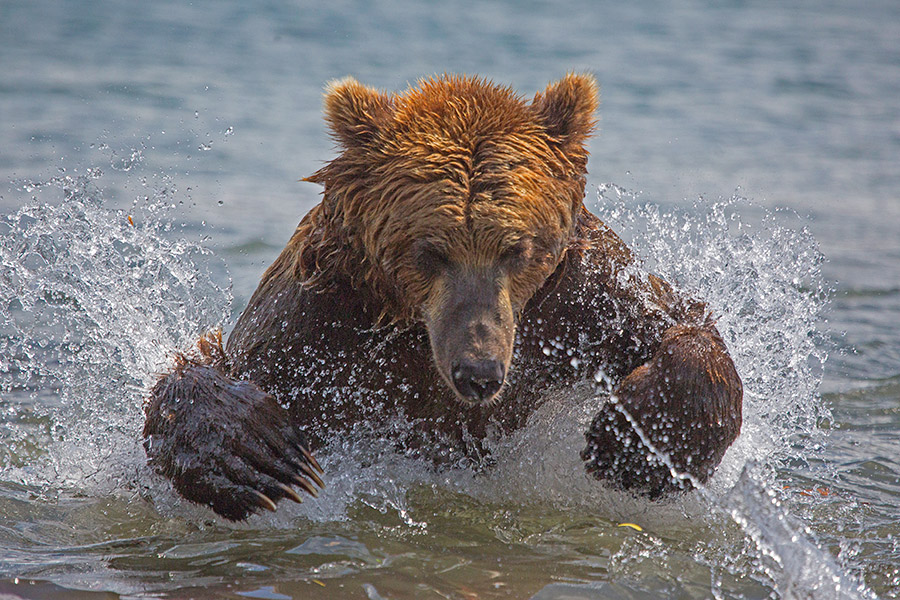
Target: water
[(149, 157)]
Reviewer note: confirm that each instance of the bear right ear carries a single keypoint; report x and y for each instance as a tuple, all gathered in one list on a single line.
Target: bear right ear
[(355, 112)]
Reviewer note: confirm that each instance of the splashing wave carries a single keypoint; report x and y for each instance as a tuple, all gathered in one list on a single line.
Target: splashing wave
[(92, 304)]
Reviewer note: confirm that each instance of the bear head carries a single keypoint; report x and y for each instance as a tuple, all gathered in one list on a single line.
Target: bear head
[(451, 204)]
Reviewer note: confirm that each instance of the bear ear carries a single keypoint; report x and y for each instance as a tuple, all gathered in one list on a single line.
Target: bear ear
[(355, 112), (566, 109)]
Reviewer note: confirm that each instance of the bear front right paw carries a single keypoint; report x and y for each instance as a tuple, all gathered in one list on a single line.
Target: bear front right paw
[(224, 443)]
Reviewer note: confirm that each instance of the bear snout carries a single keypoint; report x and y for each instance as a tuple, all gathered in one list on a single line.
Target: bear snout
[(471, 327), (478, 380)]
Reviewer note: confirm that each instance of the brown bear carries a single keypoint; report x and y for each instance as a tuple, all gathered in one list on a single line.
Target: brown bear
[(451, 278)]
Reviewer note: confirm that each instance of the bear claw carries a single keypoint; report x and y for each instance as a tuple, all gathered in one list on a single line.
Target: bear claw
[(265, 501), (307, 486), (225, 443), (290, 493)]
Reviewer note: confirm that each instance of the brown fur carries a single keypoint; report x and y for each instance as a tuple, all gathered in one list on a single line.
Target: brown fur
[(451, 239), (431, 163)]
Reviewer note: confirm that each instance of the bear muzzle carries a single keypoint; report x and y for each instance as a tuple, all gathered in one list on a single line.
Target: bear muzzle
[(472, 329)]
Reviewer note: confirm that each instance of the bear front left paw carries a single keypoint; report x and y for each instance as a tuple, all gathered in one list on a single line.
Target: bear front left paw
[(685, 403)]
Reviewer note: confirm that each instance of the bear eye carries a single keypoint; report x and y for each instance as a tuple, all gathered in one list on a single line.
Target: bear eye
[(515, 257), (429, 258)]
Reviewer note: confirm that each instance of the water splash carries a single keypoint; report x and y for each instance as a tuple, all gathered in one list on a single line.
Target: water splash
[(92, 304), (762, 280)]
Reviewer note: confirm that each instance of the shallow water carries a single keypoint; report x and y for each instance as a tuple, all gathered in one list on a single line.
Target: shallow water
[(151, 154)]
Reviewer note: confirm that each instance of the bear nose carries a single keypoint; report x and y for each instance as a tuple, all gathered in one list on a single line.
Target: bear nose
[(478, 380)]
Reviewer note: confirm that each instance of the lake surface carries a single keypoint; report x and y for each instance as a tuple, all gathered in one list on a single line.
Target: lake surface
[(149, 163)]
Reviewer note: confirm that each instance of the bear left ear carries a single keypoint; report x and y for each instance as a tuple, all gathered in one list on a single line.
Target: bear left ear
[(355, 112), (566, 109)]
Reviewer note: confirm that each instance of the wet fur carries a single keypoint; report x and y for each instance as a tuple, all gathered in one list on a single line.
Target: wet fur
[(338, 329)]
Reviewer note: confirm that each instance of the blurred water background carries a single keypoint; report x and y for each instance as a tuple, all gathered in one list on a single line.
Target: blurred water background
[(149, 163)]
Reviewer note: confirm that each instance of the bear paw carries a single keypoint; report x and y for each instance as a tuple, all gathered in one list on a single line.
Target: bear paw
[(225, 443), (669, 422)]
